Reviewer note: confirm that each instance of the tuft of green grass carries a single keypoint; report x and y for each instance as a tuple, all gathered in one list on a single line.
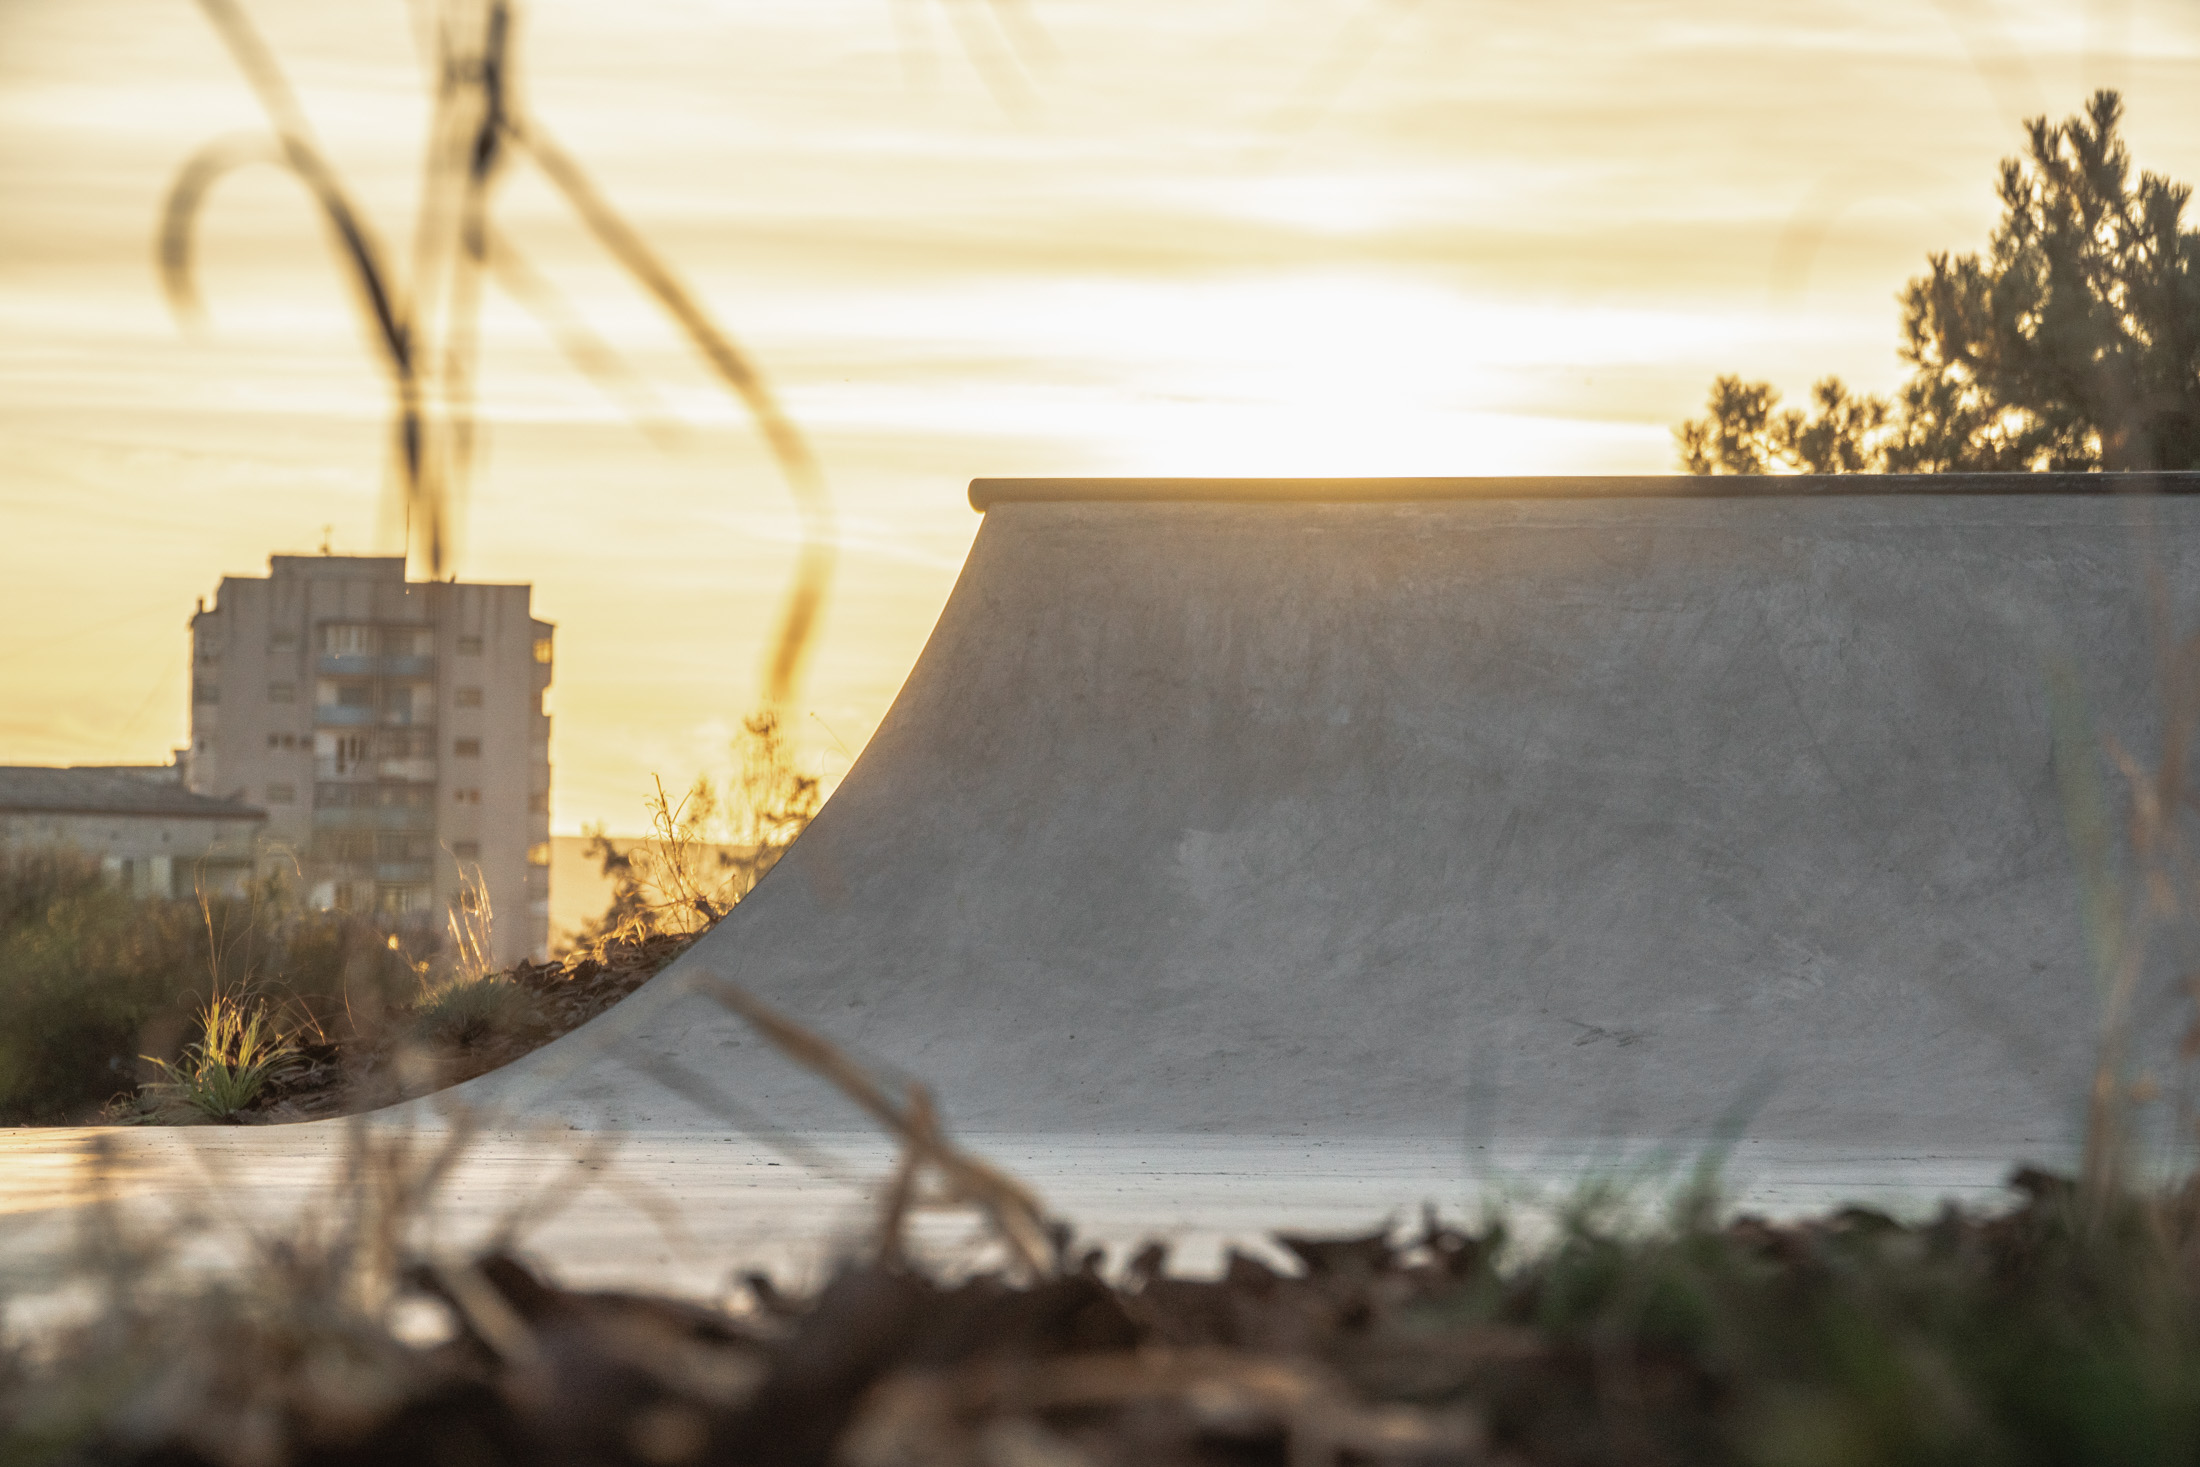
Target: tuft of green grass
[(470, 1010), (241, 1048), (474, 1003)]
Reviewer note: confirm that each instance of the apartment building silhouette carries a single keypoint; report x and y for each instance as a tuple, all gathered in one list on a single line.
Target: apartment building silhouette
[(396, 733)]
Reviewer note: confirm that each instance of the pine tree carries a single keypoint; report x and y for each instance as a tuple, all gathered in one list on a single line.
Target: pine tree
[(2073, 343)]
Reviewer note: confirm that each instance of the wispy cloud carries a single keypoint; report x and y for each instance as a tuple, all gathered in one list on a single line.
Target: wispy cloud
[(1338, 236)]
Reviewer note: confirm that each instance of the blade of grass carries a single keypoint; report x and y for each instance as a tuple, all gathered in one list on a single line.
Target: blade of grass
[(789, 448), (1011, 1209)]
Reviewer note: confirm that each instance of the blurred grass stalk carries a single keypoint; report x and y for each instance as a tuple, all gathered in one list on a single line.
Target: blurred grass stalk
[(2137, 879), (425, 325)]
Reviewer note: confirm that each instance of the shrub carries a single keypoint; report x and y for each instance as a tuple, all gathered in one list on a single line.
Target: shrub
[(85, 971)]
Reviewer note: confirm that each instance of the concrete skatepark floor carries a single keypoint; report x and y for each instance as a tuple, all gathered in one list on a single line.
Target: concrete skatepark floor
[(742, 1205)]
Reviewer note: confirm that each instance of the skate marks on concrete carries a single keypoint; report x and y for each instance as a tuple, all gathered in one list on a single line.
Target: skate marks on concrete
[(1589, 815)]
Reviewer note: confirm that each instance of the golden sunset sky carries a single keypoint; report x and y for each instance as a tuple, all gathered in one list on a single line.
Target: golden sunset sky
[(1292, 237)]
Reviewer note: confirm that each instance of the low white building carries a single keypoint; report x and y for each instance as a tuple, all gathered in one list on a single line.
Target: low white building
[(153, 836)]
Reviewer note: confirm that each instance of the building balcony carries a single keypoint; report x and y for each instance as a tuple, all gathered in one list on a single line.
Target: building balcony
[(388, 817), (410, 871), (361, 664), (342, 715), (332, 869), (356, 771)]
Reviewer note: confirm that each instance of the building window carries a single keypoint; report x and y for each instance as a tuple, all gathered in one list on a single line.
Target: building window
[(542, 649), (468, 698), (282, 794), (466, 850), (409, 703), (343, 845), (206, 692), (466, 796), (398, 900), (339, 639), (388, 796), (282, 693), (538, 803), (332, 694), (469, 646), (466, 748), (538, 854), (348, 753)]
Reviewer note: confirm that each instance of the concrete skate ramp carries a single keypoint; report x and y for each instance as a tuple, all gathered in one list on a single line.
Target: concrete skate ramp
[(1525, 808)]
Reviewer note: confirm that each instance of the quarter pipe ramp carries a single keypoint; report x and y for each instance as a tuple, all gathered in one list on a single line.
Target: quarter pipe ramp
[(1528, 808)]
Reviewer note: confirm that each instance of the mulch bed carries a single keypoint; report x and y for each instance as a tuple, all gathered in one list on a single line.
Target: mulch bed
[(2026, 1337), (340, 1077)]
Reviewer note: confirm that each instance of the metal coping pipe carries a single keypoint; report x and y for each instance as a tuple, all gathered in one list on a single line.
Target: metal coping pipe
[(986, 493)]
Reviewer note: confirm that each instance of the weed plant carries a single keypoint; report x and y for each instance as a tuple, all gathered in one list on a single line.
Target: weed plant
[(468, 1011), (472, 1002), (708, 849), (242, 1047)]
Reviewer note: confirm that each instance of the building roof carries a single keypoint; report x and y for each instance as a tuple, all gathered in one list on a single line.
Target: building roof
[(32, 789)]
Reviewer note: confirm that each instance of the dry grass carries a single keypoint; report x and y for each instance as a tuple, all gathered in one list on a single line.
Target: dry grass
[(708, 848)]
